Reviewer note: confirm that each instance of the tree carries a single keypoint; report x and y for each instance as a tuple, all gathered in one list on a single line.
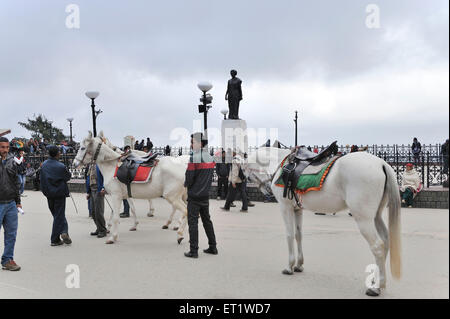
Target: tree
[(41, 127)]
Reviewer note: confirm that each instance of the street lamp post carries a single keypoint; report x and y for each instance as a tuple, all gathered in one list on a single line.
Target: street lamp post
[(70, 119), (93, 95), (206, 99), (295, 120), (224, 112)]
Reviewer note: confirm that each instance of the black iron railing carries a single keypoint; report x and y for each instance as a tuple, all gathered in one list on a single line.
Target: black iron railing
[(430, 164)]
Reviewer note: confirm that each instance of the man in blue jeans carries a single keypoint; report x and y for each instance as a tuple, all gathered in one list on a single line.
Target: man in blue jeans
[(54, 177), (9, 203)]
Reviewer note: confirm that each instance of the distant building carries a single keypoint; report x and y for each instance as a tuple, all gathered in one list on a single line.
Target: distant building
[(4, 131), (129, 141)]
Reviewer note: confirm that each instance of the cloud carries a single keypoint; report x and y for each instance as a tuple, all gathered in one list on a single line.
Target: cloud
[(146, 57)]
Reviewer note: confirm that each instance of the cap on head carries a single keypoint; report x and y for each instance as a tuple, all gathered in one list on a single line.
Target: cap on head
[(409, 165)]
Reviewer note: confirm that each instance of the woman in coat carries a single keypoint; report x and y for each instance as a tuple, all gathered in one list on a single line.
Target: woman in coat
[(411, 185)]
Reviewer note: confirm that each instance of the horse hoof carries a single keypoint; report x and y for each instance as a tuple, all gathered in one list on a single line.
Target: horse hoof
[(373, 292), (133, 229), (298, 269), (150, 215), (287, 272), (179, 240), (165, 227), (175, 228), (109, 241)]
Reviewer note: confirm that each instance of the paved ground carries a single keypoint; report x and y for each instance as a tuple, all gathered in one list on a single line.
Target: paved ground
[(252, 252)]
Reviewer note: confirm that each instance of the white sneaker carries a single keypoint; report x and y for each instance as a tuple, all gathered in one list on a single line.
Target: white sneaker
[(403, 201)]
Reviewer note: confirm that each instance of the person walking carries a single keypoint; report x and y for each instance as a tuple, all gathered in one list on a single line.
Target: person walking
[(198, 179), (96, 193), (21, 170), (54, 177), (223, 171), (9, 204), (238, 180)]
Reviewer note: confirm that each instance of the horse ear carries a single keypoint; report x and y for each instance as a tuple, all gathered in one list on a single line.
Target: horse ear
[(89, 135), (101, 135)]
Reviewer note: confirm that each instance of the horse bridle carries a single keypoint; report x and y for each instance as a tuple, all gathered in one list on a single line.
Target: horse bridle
[(97, 151)]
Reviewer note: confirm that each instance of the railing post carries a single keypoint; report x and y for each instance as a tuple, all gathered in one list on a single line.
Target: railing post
[(396, 160), (423, 171)]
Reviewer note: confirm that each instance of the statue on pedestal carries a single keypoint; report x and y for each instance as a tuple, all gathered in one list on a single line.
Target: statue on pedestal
[(234, 95)]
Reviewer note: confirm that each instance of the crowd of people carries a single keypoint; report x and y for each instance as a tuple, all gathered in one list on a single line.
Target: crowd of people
[(36, 146), (51, 178)]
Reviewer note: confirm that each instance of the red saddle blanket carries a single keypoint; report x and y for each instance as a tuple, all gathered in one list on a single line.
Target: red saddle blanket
[(143, 174)]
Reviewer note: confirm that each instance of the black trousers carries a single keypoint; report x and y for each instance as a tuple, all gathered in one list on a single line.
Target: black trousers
[(241, 188), (57, 207), (36, 183), (222, 182), (196, 209), (98, 209)]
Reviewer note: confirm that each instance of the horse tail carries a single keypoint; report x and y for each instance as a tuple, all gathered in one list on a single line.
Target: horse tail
[(394, 205)]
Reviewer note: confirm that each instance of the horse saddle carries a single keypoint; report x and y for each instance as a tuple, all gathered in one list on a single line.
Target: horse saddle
[(301, 160), (126, 173), (145, 160)]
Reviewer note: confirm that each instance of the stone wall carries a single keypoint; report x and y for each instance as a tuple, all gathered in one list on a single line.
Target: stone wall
[(432, 199)]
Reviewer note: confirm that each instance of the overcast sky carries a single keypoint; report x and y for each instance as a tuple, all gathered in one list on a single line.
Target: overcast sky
[(350, 83)]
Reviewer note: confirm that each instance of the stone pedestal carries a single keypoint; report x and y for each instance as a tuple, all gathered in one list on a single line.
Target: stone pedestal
[(234, 135)]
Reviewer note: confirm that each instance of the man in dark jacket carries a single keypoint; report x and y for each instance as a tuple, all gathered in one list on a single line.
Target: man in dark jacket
[(222, 170), (199, 175), (9, 203), (96, 193), (54, 177), (149, 144)]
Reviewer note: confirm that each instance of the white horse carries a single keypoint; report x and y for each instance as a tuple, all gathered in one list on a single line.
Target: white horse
[(358, 181), (182, 159), (167, 180)]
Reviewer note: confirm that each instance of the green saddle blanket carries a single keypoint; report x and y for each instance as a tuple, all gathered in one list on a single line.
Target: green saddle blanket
[(310, 182)]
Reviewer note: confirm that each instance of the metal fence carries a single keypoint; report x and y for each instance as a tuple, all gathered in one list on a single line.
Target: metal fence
[(431, 165)]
